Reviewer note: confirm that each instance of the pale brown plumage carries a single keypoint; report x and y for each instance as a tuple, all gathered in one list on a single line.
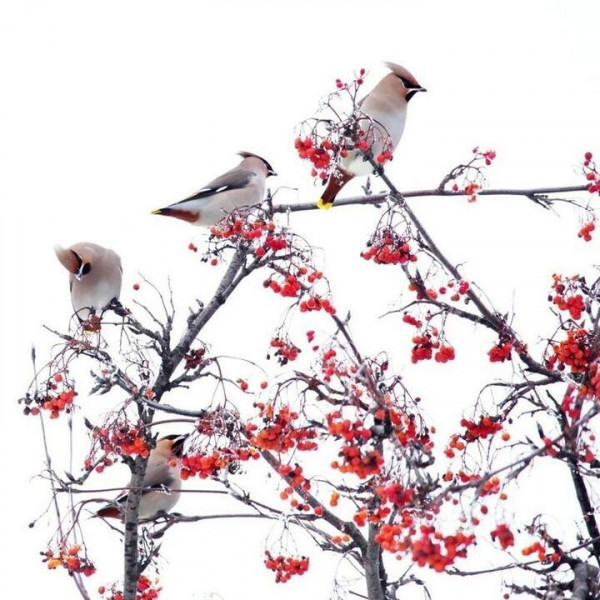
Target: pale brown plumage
[(243, 185), (95, 276), (385, 110), (162, 482)]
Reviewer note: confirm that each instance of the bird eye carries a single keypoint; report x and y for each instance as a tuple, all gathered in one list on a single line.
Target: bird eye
[(86, 268)]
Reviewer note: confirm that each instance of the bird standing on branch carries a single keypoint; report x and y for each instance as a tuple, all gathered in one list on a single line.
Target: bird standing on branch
[(95, 279), (243, 185), (383, 119), (162, 483)]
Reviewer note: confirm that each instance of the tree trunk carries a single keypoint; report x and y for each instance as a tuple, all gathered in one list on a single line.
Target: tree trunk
[(372, 557), (132, 570)]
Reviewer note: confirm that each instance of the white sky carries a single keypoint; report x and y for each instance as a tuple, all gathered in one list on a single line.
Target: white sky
[(111, 109)]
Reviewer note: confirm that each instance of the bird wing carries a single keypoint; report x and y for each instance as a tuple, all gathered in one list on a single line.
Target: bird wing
[(158, 472), (235, 179), (158, 476)]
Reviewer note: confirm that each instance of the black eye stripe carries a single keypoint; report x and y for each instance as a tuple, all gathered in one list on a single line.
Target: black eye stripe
[(269, 167), (407, 84), (86, 269)]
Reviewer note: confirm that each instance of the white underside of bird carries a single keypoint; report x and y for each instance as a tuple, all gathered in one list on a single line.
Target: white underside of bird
[(95, 295), (160, 500), (384, 132)]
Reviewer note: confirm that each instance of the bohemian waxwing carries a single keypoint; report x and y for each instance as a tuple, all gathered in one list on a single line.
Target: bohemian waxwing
[(243, 185), (95, 279), (385, 108), (162, 482)]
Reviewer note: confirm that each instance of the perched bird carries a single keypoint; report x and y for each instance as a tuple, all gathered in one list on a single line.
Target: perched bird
[(243, 185), (162, 482), (95, 279), (385, 116)]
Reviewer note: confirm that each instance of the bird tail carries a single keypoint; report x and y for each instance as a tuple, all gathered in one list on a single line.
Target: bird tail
[(337, 181), (190, 216), (109, 512)]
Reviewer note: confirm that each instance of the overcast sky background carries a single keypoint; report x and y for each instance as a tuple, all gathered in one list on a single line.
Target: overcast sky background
[(111, 109)]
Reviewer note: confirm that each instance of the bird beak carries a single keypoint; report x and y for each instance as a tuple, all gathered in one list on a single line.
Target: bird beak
[(421, 89)]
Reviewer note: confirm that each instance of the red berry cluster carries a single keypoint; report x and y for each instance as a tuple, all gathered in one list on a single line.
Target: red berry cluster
[(247, 228), (279, 432), (70, 559), (285, 567), (574, 352), (114, 441), (294, 476), (485, 427), (347, 429), (285, 350), (410, 320), (487, 157), (387, 247), (428, 547), (541, 551), (468, 179), (290, 287), (426, 343), (358, 460), (404, 427), (491, 486), (591, 173), (437, 551), (444, 354), (455, 443), (297, 283), (586, 231), (265, 237), (396, 494), (210, 464), (569, 405), (501, 351), (320, 155), (146, 590), (574, 304), (59, 403), (56, 396), (456, 289), (332, 367), (591, 385), (423, 348), (354, 84), (203, 465), (314, 303), (567, 295), (396, 538), (384, 156), (504, 535)]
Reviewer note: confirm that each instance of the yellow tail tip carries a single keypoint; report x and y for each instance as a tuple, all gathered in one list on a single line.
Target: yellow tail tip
[(324, 205), (158, 211)]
